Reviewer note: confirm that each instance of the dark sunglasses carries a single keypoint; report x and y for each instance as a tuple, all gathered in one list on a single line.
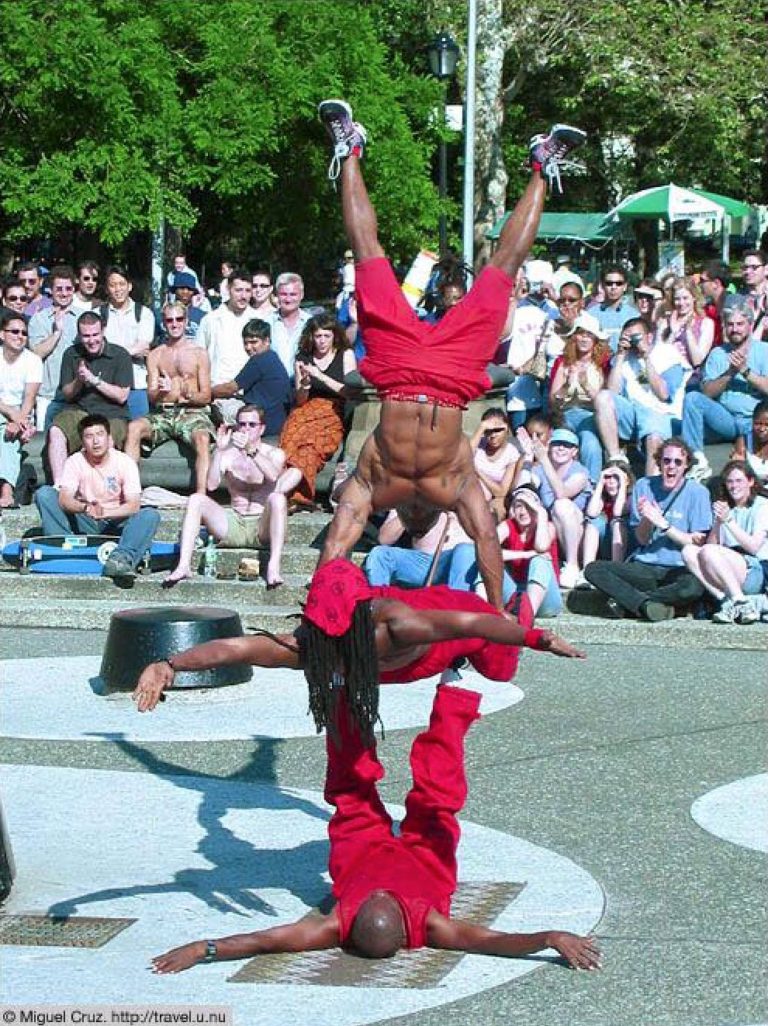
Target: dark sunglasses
[(16, 331), (21, 298), (614, 281), (672, 461), (89, 277), (493, 431), (173, 320)]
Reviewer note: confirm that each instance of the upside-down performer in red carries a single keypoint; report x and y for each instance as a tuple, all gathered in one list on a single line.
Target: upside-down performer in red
[(426, 374), (368, 635), (392, 892)]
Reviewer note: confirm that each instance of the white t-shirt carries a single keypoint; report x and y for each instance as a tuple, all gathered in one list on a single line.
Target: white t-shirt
[(221, 335), (663, 357), (26, 369), (495, 469), (124, 330)]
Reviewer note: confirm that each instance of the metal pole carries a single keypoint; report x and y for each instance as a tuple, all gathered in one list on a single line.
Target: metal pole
[(468, 234), (158, 260), (442, 185)]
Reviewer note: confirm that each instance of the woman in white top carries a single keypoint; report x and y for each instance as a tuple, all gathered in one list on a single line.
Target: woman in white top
[(686, 326), (730, 563), (495, 459)]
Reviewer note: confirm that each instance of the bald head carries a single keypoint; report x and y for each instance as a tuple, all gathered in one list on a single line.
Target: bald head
[(378, 930)]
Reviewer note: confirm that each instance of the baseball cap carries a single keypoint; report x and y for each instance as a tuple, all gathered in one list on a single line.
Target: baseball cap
[(564, 436), (182, 280)]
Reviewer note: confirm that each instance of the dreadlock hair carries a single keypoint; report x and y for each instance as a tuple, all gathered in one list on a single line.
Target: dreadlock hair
[(350, 659)]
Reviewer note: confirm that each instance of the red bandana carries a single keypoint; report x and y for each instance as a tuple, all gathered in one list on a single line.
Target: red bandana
[(336, 589)]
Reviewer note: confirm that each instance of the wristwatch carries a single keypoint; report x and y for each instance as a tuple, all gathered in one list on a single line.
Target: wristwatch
[(211, 951), (747, 373)]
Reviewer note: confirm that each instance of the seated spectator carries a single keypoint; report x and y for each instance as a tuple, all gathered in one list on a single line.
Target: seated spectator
[(429, 529), (52, 330), (263, 302), (564, 487), (648, 298), (86, 293), (735, 379), (643, 402), (752, 448), (731, 562), (95, 379), (686, 326), (32, 280), (14, 298), (262, 382), (179, 391), (131, 325), (667, 512), (611, 307), (529, 549), (607, 517), (221, 335), (183, 290), (289, 321), (754, 290), (576, 380), (495, 459), (315, 427), (715, 280), (526, 334), (249, 469), (20, 375), (99, 493)]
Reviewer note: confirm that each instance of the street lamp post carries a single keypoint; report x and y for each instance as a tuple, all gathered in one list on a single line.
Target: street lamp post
[(443, 54)]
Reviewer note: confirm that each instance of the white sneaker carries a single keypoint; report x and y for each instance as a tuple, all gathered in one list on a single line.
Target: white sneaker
[(700, 469), (569, 577), (745, 612), (726, 613), (582, 583)]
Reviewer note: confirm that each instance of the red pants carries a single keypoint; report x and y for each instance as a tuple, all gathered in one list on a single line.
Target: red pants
[(419, 867), (446, 360)]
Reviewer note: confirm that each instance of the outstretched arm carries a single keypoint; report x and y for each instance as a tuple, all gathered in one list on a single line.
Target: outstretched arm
[(459, 935), (408, 627), (259, 650), (312, 933)]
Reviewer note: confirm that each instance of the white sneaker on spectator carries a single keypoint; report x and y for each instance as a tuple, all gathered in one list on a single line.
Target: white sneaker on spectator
[(700, 469), (582, 583), (726, 613), (746, 612), (569, 576)]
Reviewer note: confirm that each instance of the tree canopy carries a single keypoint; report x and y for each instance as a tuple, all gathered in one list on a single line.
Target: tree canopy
[(119, 113)]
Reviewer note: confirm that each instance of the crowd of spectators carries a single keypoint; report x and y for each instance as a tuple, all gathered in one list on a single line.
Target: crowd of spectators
[(596, 383)]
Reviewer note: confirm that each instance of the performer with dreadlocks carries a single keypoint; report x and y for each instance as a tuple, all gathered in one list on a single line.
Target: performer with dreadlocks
[(364, 635), (392, 892), (427, 373)]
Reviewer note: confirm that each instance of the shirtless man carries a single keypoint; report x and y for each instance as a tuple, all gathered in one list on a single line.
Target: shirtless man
[(249, 469), (179, 391), (426, 374)]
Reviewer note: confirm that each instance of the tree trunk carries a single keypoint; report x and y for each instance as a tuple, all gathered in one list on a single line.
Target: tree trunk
[(490, 172)]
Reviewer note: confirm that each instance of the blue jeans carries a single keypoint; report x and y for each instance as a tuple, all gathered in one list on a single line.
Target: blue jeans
[(136, 532), (704, 416), (407, 568), (582, 422)]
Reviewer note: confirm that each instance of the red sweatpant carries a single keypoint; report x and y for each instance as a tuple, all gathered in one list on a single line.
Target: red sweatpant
[(364, 855)]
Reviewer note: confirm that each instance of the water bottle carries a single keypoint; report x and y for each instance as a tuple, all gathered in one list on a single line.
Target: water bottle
[(210, 558)]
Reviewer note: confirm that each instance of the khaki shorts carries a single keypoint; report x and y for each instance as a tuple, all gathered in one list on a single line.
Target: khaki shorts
[(178, 423), (68, 420), (242, 531)]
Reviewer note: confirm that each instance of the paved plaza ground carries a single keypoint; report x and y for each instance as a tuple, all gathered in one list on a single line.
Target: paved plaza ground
[(625, 793)]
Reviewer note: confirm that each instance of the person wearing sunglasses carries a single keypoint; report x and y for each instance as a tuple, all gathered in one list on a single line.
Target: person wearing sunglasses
[(248, 468), (14, 297), (86, 294), (32, 280), (182, 290), (495, 459), (755, 289), (179, 390), (667, 512), (21, 373), (52, 330), (614, 309)]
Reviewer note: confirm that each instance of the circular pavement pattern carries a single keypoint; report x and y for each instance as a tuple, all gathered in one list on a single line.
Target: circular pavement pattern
[(58, 699), (736, 812), (192, 857)]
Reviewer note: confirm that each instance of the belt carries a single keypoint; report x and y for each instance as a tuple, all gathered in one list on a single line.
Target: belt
[(422, 397)]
